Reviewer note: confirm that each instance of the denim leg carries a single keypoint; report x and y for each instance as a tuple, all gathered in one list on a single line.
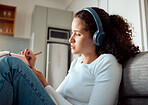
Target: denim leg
[(19, 85)]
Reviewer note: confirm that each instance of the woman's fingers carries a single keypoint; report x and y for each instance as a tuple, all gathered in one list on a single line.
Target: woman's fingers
[(29, 56), (22, 52), (27, 52)]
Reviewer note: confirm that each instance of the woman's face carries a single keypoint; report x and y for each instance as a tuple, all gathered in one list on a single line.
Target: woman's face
[(81, 41)]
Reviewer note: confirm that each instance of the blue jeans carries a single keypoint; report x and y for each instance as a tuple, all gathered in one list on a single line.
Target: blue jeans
[(19, 85)]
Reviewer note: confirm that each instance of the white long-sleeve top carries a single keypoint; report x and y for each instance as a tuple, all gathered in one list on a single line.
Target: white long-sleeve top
[(90, 84)]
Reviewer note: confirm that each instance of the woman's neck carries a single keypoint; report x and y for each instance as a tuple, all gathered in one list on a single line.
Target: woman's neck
[(89, 58)]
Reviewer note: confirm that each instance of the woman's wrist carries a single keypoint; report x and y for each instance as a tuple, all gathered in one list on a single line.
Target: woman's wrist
[(40, 76), (33, 68), (45, 84)]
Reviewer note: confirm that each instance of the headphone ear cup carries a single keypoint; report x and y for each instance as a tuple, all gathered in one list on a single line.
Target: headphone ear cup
[(98, 38)]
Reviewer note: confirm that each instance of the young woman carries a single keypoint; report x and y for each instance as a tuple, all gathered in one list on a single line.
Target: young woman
[(105, 44)]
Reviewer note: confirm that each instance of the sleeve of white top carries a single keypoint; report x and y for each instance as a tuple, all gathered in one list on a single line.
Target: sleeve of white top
[(57, 98)]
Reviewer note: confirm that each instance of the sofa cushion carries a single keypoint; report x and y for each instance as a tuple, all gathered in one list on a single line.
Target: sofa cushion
[(134, 84), (135, 77)]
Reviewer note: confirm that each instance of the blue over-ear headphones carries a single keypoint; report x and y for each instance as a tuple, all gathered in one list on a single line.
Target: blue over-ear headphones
[(99, 35)]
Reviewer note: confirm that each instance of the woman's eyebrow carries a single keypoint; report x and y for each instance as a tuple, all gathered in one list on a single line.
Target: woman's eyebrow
[(75, 30)]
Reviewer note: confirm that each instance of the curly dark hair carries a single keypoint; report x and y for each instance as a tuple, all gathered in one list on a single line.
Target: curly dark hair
[(118, 34)]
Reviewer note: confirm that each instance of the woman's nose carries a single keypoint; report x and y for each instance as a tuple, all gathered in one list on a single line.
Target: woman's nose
[(71, 39)]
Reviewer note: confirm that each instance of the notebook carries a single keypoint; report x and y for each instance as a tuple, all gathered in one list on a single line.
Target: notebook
[(20, 56)]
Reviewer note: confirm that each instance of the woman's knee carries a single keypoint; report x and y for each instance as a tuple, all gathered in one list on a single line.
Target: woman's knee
[(11, 62), (8, 59), (13, 66), (4, 62)]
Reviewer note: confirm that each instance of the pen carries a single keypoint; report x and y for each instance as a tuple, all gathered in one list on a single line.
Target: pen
[(37, 53)]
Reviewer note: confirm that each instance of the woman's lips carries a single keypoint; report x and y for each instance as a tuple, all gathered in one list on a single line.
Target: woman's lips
[(72, 46)]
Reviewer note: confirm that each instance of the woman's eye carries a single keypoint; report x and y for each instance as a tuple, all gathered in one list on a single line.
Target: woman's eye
[(78, 34)]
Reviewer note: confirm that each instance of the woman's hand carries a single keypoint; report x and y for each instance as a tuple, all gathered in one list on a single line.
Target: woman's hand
[(40, 77), (31, 60), (30, 57)]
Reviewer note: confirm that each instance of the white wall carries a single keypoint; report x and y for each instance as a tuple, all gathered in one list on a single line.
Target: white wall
[(77, 5), (128, 9), (103, 4)]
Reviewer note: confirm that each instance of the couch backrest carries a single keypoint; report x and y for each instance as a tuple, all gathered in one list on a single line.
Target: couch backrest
[(134, 85)]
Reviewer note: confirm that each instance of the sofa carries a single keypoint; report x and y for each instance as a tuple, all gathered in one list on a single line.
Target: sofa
[(134, 84)]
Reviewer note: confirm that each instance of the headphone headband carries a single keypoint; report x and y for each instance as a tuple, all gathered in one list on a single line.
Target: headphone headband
[(99, 35), (96, 18)]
